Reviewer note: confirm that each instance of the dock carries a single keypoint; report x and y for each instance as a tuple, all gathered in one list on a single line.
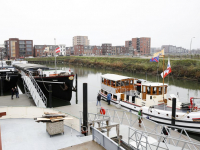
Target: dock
[(72, 129)]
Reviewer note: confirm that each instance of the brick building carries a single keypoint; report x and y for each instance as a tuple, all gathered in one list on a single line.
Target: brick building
[(141, 45), (106, 49), (16, 48), (97, 50), (44, 50), (69, 50), (78, 49)]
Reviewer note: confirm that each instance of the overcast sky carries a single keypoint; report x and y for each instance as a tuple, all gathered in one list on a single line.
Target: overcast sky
[(172, 22)]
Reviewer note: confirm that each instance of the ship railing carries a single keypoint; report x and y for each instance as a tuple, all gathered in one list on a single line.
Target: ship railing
[(130, 118), (41, 100)]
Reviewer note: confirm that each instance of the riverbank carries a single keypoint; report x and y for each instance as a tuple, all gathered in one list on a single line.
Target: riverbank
[(184, 69)]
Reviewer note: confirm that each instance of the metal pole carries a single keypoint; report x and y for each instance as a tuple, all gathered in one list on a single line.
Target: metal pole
[(173, 111), (76, 90), (50, 96), (191, 43), (85, 108)]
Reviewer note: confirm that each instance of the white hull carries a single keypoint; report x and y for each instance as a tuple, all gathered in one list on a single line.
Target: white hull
[(164, 116)]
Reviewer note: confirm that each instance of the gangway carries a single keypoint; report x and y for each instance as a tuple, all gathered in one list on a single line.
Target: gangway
[(33, 90)]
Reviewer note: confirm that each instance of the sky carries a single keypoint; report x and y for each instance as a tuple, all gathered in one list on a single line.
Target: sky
[(167, 22)]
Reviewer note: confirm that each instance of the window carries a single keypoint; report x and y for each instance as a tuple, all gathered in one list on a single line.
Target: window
[(28, 45), (21, 42), (28, 42), (29, 49)]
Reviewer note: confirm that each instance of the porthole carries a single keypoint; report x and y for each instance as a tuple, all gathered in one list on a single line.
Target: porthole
[(188, 116), (158, 113), (151, 111), (176, 115), (167, 115)]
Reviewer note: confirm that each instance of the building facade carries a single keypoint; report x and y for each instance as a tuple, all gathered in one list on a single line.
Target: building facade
[(78, 49), (44, 50), (81, 40), (141, 45), (106, 49), (16, 48), (62, 49)]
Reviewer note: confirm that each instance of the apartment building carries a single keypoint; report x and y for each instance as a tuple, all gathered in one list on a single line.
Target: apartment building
[(78, 49), (69, 50), (106, 49), (44, 50), (16, 48), (141, 45), (97, 50), (62, 49), (128, 43), (81, 40)]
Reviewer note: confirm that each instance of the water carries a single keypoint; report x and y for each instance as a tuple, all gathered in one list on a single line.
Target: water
[(184, 89)]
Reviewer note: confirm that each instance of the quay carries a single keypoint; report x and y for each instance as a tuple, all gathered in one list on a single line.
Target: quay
[(19, 131)]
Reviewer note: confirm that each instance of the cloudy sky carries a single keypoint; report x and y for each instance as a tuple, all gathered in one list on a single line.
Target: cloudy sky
[(172, 22)]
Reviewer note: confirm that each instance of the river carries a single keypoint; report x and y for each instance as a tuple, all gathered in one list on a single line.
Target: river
[(184, 89)]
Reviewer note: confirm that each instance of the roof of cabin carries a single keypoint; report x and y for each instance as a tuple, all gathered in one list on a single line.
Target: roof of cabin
[(115, 77), (154, 84)]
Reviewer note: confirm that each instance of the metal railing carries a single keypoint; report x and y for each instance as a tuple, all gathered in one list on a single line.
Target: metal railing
[(174, 138), (34, 89)]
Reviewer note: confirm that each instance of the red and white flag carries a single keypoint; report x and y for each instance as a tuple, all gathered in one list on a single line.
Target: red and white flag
[(168, 71), (57, 50)]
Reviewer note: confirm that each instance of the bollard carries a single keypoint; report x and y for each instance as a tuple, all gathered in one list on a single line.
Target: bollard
[(173, 111), (76, 89), (50, 96), (85, 109)]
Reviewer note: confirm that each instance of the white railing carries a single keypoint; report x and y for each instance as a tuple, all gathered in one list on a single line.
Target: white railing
[(34, 89), (150, 128)]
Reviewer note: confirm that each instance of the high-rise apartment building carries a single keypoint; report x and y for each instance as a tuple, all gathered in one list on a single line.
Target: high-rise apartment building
[(81, 40), (141, 45), (16, 48)]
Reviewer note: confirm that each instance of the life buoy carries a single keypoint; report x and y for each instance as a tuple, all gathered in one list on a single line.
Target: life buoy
[(102, 111)]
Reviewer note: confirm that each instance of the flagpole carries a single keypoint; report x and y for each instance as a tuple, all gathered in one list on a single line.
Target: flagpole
[(163, 75), (55, 55)]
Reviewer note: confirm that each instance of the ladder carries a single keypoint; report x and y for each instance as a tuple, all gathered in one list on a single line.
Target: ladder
[(33, 90)]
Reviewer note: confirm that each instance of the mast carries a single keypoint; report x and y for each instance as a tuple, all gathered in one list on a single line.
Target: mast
[(55, 55), (163, 75)]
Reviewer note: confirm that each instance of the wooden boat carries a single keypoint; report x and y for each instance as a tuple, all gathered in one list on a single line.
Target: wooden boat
[(132, 94)]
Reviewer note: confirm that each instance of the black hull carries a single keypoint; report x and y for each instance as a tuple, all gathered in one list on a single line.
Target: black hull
[(8, 83), (60, 91)]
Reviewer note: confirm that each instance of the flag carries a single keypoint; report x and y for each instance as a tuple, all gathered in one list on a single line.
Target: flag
[(154, 59), (168, 71), (161, 53), (57, 50)]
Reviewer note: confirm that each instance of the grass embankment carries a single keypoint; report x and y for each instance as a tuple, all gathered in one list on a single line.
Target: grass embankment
[(188, 68)]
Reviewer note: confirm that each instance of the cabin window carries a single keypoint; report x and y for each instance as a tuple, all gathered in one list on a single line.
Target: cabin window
[(106, 93), (102, 80), (113, 83), (131, 82), (148, 90), (109, 82), (154, 90), (115, 97), (144, 89), (126, 82), (122, 83), (160, 90)]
